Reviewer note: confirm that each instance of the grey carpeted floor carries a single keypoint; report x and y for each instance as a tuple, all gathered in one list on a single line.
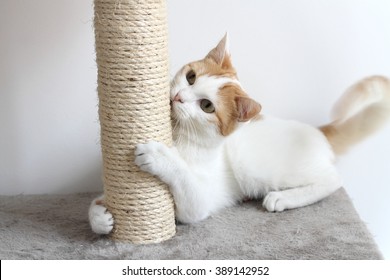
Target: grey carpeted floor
[(56, 227)]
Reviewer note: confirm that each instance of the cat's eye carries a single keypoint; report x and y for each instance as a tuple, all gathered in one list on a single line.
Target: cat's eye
[(191, 77), (207, 106)]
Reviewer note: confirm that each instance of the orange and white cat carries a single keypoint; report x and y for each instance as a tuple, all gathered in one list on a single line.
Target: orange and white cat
[(225, 150)]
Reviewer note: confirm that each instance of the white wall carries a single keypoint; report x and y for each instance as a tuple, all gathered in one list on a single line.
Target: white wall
[(49, 128), (294, 57)]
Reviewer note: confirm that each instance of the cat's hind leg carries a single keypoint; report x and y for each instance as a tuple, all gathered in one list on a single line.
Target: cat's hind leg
[(100, 219), (277, 201)]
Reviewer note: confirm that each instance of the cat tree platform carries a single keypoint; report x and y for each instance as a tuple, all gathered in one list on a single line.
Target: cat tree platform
[(56, 227)]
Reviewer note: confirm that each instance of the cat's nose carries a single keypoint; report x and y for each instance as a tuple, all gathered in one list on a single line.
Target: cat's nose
[(178, 98)]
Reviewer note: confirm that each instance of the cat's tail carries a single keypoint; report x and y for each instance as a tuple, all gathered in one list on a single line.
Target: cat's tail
[(361, 111)]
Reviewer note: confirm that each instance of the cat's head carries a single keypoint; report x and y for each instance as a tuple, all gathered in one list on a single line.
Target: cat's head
[(207, 98)]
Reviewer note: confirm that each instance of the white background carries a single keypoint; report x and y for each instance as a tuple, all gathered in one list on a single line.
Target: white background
[(294, 57)]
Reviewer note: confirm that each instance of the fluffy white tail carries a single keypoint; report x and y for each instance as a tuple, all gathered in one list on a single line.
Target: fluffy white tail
[(361, 111)]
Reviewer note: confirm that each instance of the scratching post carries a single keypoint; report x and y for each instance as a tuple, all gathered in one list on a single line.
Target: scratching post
[(133, 88)]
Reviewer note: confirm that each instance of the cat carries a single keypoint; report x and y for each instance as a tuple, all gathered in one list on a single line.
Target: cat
[(225, 150)]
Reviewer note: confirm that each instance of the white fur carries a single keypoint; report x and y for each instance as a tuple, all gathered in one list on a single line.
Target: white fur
[(100, 219), (287, 162), (190, 121)]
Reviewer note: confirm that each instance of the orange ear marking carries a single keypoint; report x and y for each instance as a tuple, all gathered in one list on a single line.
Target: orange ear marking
[(247, 108), (234, 106), (220, 54)]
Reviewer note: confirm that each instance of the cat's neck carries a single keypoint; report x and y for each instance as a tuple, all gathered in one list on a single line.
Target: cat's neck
[(198, 148)]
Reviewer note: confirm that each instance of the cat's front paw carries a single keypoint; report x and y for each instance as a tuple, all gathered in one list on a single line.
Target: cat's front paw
[(274, 202), (152, 157), (100, 219)]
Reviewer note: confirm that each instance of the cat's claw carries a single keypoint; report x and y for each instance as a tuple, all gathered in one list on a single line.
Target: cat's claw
[(274, 202), (100, 219)]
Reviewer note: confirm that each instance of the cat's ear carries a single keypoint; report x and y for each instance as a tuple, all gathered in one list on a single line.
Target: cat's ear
[(247, 108), (220, 54)]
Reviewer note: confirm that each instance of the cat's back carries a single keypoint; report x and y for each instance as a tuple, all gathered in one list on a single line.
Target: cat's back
[(275, 148), (268, 132)]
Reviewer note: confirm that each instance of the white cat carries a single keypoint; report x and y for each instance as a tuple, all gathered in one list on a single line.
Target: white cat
[(225, 151)]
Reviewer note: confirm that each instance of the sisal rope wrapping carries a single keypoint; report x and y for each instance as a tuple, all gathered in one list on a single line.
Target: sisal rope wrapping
[(133, 88)]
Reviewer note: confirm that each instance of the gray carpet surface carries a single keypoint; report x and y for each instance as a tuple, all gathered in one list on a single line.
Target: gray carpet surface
[(56, 227)]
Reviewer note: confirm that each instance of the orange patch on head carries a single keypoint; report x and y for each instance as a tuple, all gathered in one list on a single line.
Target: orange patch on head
[(216, 63), (207, 67), (234, 106)]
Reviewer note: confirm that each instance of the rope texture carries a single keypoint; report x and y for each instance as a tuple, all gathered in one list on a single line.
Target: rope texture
[(133, 88)]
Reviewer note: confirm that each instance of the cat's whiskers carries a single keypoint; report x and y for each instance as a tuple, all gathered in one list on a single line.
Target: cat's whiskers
[(185, 131)]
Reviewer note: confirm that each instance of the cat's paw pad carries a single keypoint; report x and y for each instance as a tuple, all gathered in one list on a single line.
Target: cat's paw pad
[(274, 202), (100, 219), (150, 157)]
